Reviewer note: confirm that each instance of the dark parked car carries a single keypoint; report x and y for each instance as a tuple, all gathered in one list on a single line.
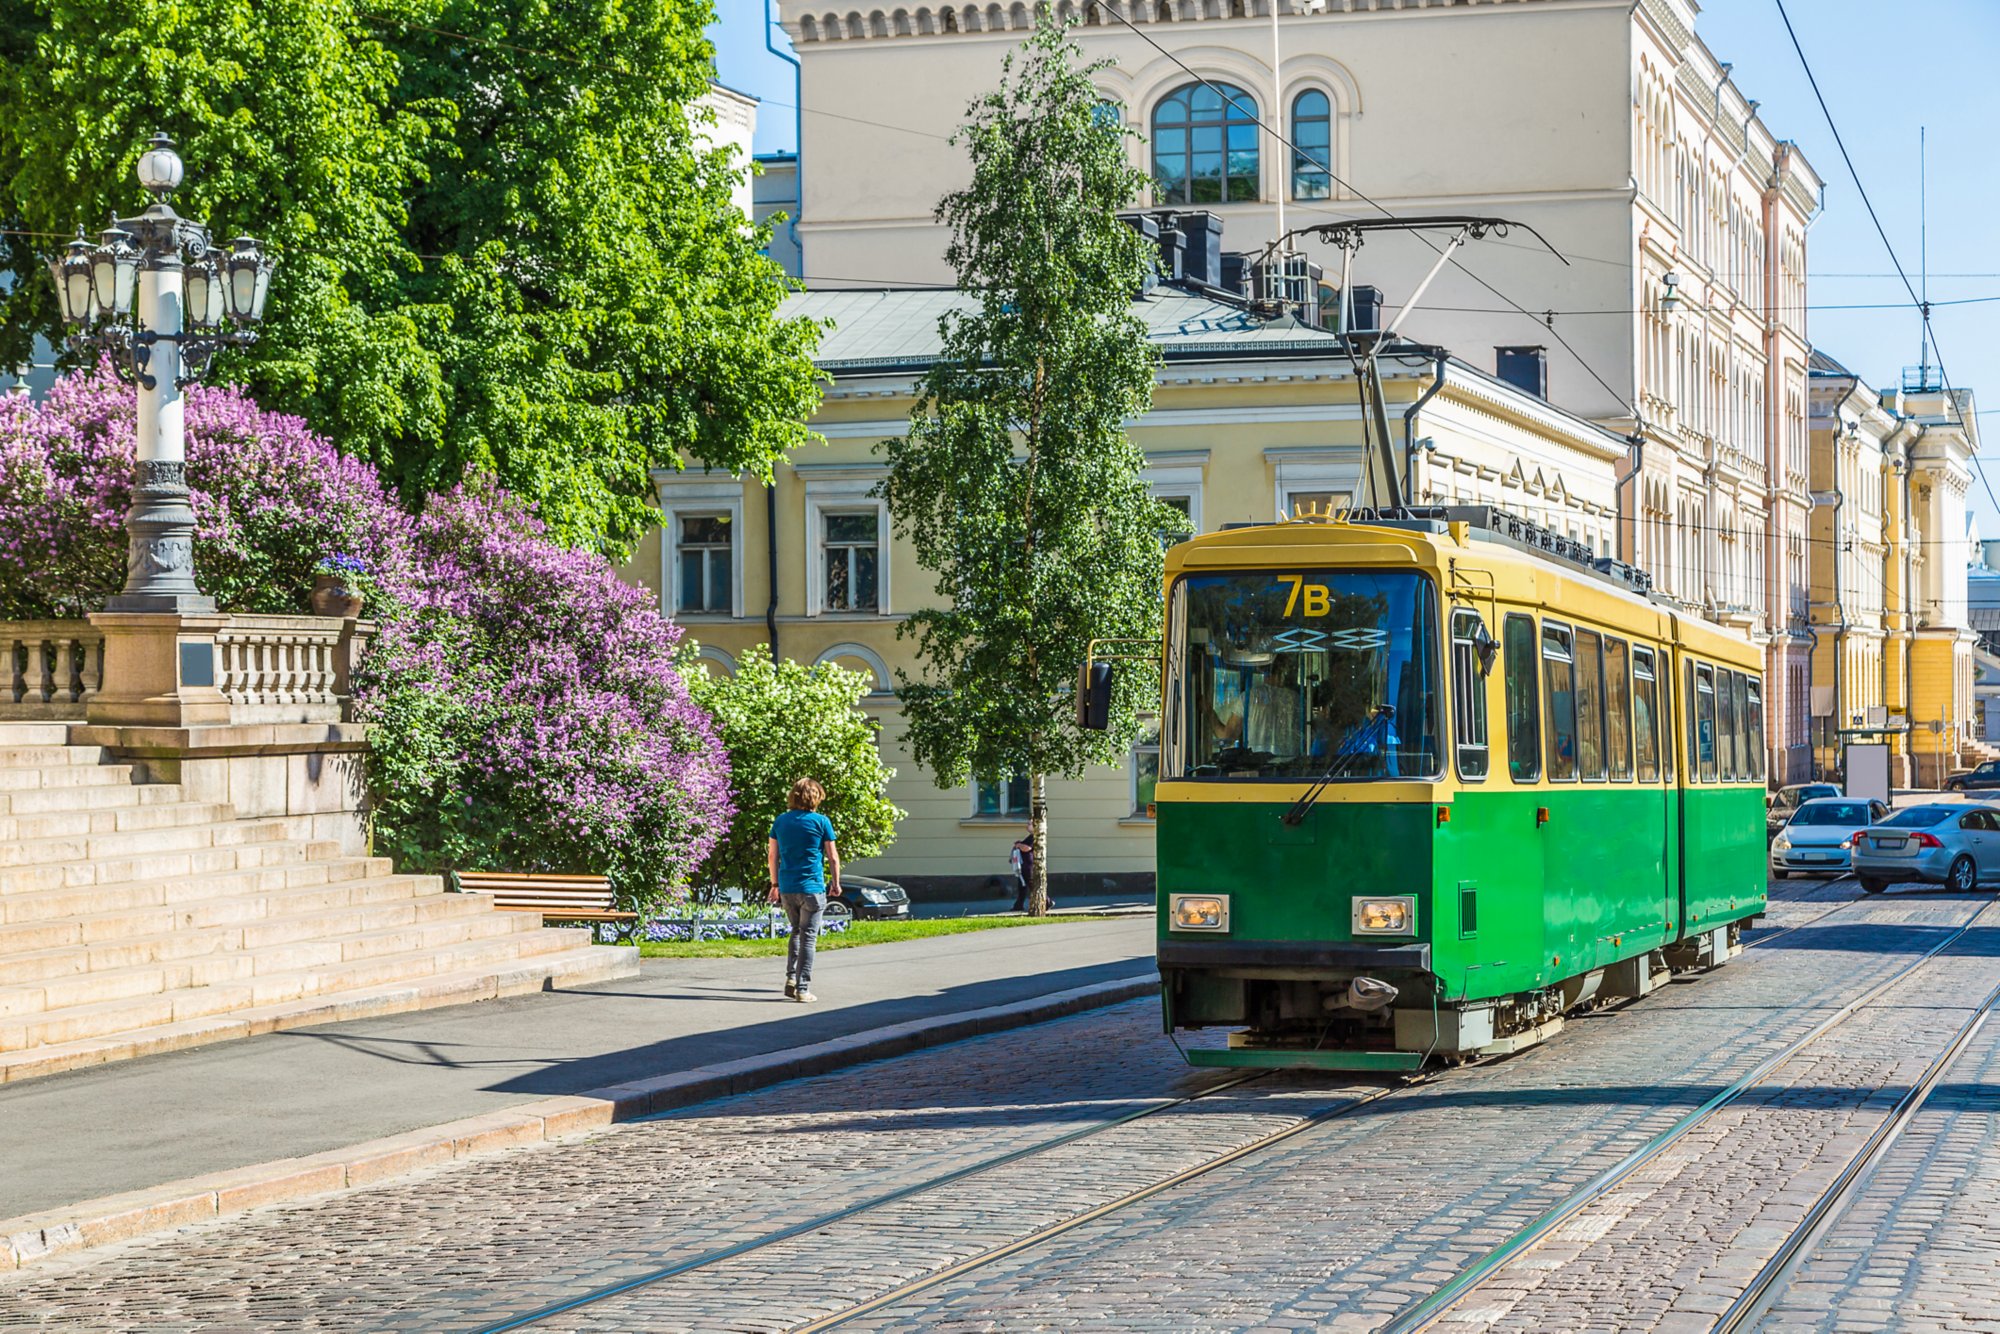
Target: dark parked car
[(1788, 799), (865, 898), (1985, 776)]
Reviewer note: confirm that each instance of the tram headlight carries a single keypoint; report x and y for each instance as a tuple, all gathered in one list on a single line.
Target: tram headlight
[(1386, 917), (1198, 912)]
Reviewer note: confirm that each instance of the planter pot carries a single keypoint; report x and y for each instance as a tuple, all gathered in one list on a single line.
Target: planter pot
[(332, 595)]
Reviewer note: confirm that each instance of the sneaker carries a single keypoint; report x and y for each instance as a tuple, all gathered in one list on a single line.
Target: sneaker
[(804, 997), (791, 988)]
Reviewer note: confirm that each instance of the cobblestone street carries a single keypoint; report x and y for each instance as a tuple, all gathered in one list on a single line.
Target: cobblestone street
[(1368, 1196)]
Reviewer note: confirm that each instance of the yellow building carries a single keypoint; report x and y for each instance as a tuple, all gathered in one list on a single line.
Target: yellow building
[(1251, 418), (1889, 550)]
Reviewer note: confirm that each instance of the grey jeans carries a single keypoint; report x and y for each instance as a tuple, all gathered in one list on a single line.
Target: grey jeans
[(803, 911)]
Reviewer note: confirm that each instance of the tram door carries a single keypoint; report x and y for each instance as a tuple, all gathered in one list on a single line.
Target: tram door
[(1653, 756)]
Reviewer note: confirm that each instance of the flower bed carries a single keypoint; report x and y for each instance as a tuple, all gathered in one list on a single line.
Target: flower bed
[(722, 922)]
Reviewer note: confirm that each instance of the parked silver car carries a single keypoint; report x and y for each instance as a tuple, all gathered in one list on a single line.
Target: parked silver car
[(1956, 846), (1815, 840)]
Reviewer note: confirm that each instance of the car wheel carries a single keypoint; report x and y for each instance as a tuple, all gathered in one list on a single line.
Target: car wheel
[(1870, 885), (1781, 875), (838, 911), (1963, 877)]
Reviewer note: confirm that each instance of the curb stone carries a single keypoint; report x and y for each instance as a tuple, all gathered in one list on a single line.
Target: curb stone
[(33, 1238)]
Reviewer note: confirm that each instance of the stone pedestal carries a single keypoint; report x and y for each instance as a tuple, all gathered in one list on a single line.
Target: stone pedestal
[(309, 774), (159, 670)]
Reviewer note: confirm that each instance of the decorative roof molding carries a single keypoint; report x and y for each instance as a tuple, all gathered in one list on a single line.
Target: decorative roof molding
[(1677, 32), (809, 21)]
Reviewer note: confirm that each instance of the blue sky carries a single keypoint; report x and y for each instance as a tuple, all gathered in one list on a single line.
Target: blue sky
[(1932, 65)]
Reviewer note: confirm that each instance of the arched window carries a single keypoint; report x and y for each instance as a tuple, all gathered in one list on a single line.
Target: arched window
[(1312, 154), (1205, 145)]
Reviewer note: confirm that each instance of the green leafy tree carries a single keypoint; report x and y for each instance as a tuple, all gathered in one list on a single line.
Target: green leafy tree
[(781, 722), (503, 246), (1016, 482)]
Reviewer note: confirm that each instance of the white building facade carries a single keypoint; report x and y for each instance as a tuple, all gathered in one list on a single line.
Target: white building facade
[(1640, 163)]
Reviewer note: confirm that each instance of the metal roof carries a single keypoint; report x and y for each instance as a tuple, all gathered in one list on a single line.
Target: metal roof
[(896, 327)]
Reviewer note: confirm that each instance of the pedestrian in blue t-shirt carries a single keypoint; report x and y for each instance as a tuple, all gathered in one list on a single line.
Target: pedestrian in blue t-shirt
[(802, 856)]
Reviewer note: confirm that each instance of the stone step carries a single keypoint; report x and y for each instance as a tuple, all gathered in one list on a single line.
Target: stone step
[(113, 849), (113, 912), (115, 819), (43, 800), (34, 734), (36, 893), (368, 935), (17, 880), (244, 998), (572, 966), (75, 775), (71, 946), (17, 755)]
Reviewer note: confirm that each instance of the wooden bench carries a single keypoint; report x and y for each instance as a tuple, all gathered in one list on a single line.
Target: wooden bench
[(558, 898)]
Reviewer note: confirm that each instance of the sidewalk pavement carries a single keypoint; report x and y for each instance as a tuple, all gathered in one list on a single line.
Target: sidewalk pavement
[(125, 1127)]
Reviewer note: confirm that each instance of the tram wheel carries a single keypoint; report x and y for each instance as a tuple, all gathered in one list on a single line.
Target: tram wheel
[(1963, 877)]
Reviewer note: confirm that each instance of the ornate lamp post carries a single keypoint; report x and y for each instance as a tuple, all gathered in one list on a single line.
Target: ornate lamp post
[(191, 302)]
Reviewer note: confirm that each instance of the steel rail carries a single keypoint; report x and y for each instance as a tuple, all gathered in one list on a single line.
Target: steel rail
[(750, 1244), (1053, 1230), (1427, 1311), (1765, 937), (1833, 1201)]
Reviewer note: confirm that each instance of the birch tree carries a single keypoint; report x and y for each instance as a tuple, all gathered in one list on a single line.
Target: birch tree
[(1016, 482)]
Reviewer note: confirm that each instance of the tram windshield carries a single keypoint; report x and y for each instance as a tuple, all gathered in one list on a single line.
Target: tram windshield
[(1283, 675)]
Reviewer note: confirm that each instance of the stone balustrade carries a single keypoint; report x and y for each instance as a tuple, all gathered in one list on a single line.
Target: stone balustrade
[(49, 669), (265, 669)]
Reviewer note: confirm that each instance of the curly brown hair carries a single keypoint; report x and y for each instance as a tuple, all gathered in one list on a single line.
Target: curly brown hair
[(806, 795)]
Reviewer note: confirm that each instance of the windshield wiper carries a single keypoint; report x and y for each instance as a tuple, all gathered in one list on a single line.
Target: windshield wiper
[(1361, 739)]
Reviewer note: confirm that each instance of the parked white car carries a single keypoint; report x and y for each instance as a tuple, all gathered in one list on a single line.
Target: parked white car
[(1815, 841)]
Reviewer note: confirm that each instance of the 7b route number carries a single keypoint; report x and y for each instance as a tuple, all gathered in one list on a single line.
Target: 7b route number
[(1318, 598)]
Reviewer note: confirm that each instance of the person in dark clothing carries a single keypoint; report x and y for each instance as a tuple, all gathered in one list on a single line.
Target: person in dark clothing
[(802, 857), (1024, 870)]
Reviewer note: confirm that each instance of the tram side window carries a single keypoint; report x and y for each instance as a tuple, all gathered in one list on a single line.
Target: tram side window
[(1617, 709), (1524, 702), (1725, 726), (1753, 710), (1590, 705), (1645, 712), (1739, 686), (1704, 730), (1561, 690), (1468, 688)]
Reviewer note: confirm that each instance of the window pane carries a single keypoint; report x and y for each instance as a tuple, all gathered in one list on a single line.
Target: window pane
[(691, 582), (1562, 702), (989, 799), (1310, 104), (1314, 502), (851, 527), (1617, 710), (1468, 694), (1590, 705), (1754, 707), (1725, 728), (1017, 795), (1645, 712), (1524, 721), (708, 529), (1704, 745), (864, 579), (1739, 692), (836, 579), (718, 581)]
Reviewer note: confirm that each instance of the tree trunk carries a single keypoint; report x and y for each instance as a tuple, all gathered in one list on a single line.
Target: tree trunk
[(1038, 834)]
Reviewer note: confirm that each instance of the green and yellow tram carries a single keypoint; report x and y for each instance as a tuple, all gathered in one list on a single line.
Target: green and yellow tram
[(1432, 779)]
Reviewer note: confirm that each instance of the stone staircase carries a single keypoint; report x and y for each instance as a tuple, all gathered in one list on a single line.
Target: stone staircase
[(134, 920)]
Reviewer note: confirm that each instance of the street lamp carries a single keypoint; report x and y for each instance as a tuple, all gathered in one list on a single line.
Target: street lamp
[(161, 345)]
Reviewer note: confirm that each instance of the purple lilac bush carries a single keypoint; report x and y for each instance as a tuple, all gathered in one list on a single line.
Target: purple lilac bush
[(270, 499), (528, 713)]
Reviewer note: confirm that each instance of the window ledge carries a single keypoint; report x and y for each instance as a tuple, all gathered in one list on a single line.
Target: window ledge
[(976, 821), (1137, 821)]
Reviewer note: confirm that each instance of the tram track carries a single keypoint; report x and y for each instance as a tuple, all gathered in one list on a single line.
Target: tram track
[(1440, 1303), (707, 1259)]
